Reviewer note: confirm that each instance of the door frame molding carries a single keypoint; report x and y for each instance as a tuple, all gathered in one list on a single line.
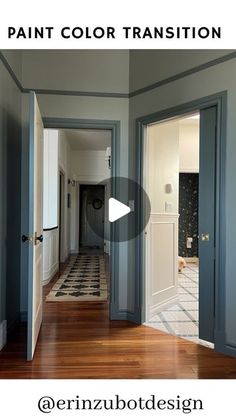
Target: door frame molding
[(114, 127), (220, 101), (61, 211)]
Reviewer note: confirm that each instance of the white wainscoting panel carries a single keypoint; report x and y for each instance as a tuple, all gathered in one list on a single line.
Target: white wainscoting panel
[(161, 261), (50, 254)]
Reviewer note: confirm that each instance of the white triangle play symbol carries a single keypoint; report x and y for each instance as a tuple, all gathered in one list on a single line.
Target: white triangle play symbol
[(117, 210)]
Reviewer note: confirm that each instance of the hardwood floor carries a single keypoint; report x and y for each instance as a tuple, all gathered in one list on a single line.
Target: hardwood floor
[(77, 340)]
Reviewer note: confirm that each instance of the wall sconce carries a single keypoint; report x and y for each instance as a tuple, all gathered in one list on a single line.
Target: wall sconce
[(108, 157), (71, 182), (168, 188)]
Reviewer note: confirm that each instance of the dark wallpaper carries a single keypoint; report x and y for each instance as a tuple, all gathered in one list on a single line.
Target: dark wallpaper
[(188, 210)]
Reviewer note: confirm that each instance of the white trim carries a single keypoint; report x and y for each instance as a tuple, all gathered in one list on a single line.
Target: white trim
[(193, 259), (158, 308), (157, 298), (187, 170), (3, 334), (48, 275), (50, 255), (165, 214)]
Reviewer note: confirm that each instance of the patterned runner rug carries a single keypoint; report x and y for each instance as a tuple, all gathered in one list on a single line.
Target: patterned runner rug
[(84, 279)]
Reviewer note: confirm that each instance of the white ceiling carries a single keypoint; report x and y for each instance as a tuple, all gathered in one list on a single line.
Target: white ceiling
[(86, 139), (190, 120), (89, 139)]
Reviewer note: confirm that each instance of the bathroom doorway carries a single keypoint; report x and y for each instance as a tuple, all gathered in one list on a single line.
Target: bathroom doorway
[(176, 159)]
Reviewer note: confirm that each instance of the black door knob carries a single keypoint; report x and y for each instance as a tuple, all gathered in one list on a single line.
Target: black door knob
[(40, 238), (25, 238)]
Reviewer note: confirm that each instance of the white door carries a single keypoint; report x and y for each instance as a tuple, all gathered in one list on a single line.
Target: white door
[(35, 237)]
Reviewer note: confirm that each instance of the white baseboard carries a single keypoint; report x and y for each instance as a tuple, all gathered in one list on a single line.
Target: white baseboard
[(3, 334), (163, 306), (193, 259), (48, 275), (74, 251)]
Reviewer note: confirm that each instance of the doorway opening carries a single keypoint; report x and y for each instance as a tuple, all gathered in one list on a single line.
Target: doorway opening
[(91, 220), (43, 215), (171, 171), (77, 163)]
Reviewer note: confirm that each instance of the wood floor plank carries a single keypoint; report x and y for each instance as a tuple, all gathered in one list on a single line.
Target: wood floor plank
[(77, 340)]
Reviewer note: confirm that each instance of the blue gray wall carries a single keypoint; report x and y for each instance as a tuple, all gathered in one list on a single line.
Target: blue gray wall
[(10, 195), (184, 88)]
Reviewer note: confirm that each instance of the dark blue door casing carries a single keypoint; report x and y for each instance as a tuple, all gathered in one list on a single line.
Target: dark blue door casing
[(207, 193)]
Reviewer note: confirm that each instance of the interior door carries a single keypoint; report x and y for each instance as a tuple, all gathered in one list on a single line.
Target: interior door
[(207, 187), (35, 237), (92, 216)]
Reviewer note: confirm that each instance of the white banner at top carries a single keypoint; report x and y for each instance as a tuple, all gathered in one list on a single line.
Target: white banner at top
[(118, 24)]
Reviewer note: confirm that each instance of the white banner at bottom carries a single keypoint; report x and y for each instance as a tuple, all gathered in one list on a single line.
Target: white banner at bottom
[(117, 398)]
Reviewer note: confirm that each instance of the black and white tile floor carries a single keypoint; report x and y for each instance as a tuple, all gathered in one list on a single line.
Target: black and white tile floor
[(181, 319)]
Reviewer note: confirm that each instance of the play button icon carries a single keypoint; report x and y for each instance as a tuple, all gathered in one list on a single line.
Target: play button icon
[(117, 210)]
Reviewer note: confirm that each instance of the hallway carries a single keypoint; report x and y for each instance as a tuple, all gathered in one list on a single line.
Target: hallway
[(77, 340)]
